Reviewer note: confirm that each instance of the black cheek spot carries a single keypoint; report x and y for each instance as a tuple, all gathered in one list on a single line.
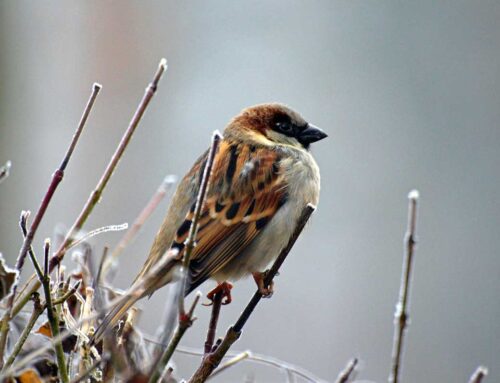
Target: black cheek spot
[(260, 223), (184, 228), (261, 185), (233, 210)]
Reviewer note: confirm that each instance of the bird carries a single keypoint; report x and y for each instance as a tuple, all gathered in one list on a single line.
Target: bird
[(263, 175)]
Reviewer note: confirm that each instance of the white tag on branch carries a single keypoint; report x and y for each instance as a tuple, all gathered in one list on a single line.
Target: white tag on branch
[(7, 278)]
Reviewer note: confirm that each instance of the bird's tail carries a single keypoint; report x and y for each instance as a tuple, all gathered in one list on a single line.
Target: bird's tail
[(162, 273), (113, 316)]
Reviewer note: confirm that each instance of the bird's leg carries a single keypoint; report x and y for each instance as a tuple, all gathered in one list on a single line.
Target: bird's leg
[(223, 288), (266, 291)]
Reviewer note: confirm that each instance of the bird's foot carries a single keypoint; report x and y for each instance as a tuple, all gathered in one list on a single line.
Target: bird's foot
[(266, 291), (224, 289)]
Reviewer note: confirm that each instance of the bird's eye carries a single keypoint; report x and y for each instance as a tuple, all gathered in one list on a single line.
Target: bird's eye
[(284, 127)]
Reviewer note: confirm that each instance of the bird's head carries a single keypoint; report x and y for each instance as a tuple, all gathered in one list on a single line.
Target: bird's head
[(274, 124)]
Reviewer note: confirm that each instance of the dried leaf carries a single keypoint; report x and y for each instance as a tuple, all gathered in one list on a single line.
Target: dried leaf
[(7, 278)]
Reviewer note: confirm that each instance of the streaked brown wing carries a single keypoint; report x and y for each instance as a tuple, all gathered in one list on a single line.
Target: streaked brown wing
[(246, 189)]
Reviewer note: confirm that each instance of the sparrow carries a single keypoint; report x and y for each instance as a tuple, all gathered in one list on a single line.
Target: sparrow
[(262, 177)]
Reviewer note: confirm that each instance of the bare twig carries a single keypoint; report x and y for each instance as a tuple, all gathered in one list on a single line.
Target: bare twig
[(193, 229), (212, 360), (5, 171), (478, 375), (95, 196), (346, 374), (401, 314), (185, 321), (58, 175)]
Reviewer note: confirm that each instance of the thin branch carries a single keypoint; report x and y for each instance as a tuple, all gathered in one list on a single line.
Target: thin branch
[(95, 196), (193, 229), (401, 314), (52, 315), (58, 175), (348, 371), (185, 321), (478, 375), (211, 361), (5, 171)]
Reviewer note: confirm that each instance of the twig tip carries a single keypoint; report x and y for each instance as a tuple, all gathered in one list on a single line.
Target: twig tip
[(414, 195), (96, 87), (163, 63)]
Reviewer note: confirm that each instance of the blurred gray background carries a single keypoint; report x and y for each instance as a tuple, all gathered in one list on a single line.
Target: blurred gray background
[(409, 94)]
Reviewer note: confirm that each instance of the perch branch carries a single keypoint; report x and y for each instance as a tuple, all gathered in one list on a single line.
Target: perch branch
[(214, 318), (478, 375), (212, 360), (401, 314), (346, 374)]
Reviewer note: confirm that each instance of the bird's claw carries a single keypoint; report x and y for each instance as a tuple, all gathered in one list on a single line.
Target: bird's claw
[(224, 289), (265, 291)]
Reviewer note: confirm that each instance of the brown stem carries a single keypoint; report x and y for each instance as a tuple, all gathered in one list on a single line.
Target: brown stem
[(401, 314), (211, 361)]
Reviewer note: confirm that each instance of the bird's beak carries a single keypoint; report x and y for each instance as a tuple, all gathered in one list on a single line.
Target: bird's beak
[(311, 134)]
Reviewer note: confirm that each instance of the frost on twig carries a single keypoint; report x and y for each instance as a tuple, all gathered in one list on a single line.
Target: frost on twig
[(478, 375)]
